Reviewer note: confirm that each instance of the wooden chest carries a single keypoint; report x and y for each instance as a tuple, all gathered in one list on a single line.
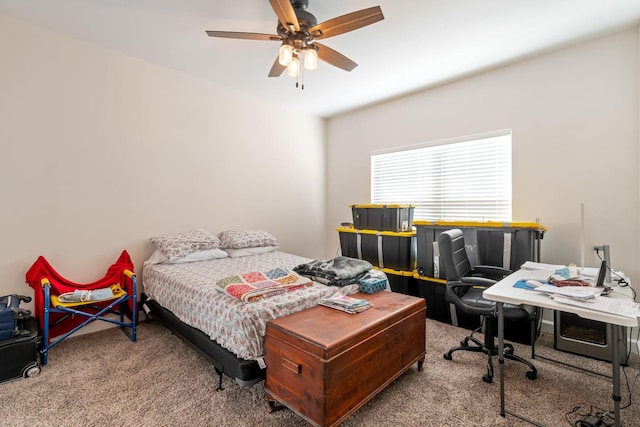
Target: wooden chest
[(324, 364)]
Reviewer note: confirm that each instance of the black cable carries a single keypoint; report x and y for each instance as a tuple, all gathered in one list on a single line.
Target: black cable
[(626, 377), (626, 380), (622, 282), (607, 414), (630, 387), (575, 411)]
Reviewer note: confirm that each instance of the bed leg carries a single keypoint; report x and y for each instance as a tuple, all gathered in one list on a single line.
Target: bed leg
[(219, 372)]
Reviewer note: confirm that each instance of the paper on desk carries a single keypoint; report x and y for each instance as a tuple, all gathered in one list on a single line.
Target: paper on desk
[(604, 304), (575, 292), (532, 265)]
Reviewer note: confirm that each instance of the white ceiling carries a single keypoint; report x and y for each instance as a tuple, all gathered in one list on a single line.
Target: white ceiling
[(419, 44)]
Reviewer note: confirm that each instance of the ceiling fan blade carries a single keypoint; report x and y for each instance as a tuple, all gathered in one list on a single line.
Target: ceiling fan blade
[(345, 23), (286, 15), (334, 58), (276, 69), (246, 36)]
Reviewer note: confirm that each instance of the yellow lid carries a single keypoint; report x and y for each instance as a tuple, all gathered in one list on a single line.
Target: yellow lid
[(496, 224), (378, 206), (395, 272), (416, 275), (377, 232)]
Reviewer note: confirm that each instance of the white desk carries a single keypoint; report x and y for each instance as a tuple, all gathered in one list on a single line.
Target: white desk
[(504, 292)]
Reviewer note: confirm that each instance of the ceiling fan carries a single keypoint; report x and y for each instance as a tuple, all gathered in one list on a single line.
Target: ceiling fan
[(298, 31)]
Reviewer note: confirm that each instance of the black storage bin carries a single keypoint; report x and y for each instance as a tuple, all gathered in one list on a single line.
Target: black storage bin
[(428, 262), (384, 249), (402, 282), (487, 243), (433, 290), (19, 355), (383, 217), (519, 332)]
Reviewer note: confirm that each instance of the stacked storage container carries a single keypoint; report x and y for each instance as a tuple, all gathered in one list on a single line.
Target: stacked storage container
[(384, 236), (502, 244)]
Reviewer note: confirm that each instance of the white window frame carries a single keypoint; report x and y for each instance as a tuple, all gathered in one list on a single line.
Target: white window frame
[(459, 179)]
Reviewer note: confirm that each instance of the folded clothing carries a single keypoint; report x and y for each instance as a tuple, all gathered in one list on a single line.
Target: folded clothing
[(339, 271), (569, 282), (87, 295)]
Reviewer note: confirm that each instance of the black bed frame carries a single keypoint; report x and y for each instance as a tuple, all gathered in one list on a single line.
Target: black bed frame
[(244, 372)]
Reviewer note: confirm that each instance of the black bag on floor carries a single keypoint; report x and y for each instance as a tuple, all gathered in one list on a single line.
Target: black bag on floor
[(19, 356), (10, 314)]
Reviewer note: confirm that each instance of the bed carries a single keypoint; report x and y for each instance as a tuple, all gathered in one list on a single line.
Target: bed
[(184, 297)]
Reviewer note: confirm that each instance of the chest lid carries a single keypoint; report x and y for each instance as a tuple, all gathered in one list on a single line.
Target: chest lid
[(326, 332)]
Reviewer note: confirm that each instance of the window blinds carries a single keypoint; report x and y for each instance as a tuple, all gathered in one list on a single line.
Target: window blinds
[(463, 179)]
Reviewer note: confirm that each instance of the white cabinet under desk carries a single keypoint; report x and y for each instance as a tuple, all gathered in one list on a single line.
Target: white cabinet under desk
[(590, 338)]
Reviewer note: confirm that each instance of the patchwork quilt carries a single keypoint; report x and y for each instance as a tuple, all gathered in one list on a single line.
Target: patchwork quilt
[(255, 285)]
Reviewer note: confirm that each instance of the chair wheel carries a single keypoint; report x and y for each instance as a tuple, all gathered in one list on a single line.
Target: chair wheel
[(487, 378), (447, 356), (532, 375)]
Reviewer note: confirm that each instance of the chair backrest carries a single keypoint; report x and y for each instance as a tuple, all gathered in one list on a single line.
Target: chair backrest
[(453, 254)]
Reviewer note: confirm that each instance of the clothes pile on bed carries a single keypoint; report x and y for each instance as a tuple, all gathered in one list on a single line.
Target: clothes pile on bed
[(339, 271)]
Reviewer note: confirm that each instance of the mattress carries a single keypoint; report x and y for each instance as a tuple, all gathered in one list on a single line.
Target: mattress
[(190, 292)]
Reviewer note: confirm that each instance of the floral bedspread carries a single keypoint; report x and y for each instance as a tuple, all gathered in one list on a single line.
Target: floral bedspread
[(190, 292)]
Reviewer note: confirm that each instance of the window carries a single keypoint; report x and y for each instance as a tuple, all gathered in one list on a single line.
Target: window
[(465, 179)]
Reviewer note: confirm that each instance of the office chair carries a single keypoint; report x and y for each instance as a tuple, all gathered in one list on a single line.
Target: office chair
[(464, 289)]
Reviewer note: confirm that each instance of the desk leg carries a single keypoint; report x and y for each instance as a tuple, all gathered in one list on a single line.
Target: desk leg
[(615, 363), (501, 354)]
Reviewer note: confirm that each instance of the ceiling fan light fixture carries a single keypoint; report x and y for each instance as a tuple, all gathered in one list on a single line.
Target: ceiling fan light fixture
[(293, 68), (297, 30), (310, 58), (285, 55)]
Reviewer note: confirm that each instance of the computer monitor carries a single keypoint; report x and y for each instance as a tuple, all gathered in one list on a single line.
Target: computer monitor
[(602, 274)]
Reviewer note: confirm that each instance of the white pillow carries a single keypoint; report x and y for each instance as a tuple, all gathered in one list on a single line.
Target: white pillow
[(159, 258), (179, 245), (238, 239), (237, 253)]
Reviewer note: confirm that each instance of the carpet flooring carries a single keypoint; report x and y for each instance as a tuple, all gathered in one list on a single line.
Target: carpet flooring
[(103, 379)]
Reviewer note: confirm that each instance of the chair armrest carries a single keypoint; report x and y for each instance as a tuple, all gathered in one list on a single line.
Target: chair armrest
[(490, 270), (482, 282), (466, 295), (454, 289)]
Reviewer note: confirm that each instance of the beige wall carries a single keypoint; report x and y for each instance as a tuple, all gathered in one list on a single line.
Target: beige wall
[(574, 117), (101, 151)]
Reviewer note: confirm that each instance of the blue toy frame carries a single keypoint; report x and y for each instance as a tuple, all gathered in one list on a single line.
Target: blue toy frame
[(116, 306)]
